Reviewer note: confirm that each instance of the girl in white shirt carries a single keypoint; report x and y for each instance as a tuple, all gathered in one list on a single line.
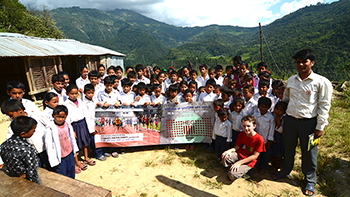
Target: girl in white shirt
[(50, 102), (236, 116)]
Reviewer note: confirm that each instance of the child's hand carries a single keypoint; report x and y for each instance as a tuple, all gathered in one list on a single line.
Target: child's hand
[(116, 104), (234, 167), (137, 98), (177, 102), (153, 104), (132, 104), (1, 166), (125, 104), (146, 103), (98, 104), (228, 144), (158, 103), (268, 144), (75, 134), (106, 104)]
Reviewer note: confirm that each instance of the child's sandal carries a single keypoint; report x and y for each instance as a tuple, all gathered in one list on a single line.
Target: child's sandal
[(83, 166), (90, 162), (77, 170)]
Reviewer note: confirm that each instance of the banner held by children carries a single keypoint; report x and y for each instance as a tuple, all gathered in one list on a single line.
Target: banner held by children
[(169, 124)]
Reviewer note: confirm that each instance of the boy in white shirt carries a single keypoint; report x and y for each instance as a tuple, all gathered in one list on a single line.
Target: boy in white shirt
[(219, 79), (94, 77), (263, 92), (109, 96), (222, 132), (208, 95), (58, 84), (140, 74), (127, 97), (250, 103), (157, 98), (204, 77), (143, 98)]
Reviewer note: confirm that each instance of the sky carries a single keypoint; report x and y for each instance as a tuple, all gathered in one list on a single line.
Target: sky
[(244, 13)]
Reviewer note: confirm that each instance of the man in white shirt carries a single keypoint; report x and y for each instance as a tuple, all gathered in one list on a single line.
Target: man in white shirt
[(203, 78), (309, 96)]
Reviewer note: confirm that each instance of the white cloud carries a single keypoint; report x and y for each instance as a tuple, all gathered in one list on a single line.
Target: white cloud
[(287, 8)]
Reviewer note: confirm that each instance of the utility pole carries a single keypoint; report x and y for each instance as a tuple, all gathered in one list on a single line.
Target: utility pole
[(261, 44), (197, 63)]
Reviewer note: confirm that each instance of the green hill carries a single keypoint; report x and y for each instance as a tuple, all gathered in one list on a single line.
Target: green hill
[(323, 28)]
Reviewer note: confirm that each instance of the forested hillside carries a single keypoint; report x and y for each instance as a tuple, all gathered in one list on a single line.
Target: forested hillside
[(323, 28), (15, 18)]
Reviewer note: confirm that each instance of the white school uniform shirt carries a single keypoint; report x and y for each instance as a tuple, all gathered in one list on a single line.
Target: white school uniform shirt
[(207, 97), (48, 113), (89, 112), (61, 97), (145, 98), (144, 80), (201, 81), (270, 96), (220, 81), (110, 98), (75, 113), (222, 129), (127, 98), (80, 82), (250, 107), (163, 87), (30, 107), (53, 146), (265, 125), (227, 104), (195, 96), (280, 129), (161, 99), (235, 119)]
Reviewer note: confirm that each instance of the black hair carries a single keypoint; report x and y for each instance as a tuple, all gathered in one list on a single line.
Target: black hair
[(108, 80), (14, 84), (212, 69), (219, 67), (131, 74), (210, 82), (63, 73), (305, 54), (219, 102), (22, 124), (161, 72), (250, 88), (202, 87), (139, 67), (248, 76), (111, 68), (187, 91), (155, 68), (101, 65), (243, 63), (149, 86), (154, 76), (237, 58), (126, 82), (263, 82), (203, 66), (227, 90), (262, 64), (218, 87), (282, 104), (173, 72), (57, 78), (93, 73), (222, 112), (235, 101), (264, 74), (229, 67), (82, 67), (118, 68), (141, 85), (60, 108), (183, 82), (11, 105), (70, 87), (193, 71), (193, 82), (156, 86), (173, 88), (128, 67), (89, 87), (238, 91), (264, 101), (114, 78), (47, 97), (277, 83)]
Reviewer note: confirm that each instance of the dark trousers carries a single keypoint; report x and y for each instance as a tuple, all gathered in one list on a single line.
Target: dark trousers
[(263, 159), (67, 166), (44, 161), (292, 130), (234, 137), (220, 145)]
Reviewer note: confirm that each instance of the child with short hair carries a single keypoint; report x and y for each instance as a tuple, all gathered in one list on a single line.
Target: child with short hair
[(201, 90), (142, 98), (149, 89), (157, 99), (128, 69), (102, 71), (140, 74), (236, 115), (212, 73), (161, 80), (229, 72), (249, 102), (225, 95), (108, 96), (119, 72), (132, 77), (127, 97), (244, 155), (16, 90), (265, 126), (156, 70), (94, 77), (183, 86), (261, 67), (204, 77), (66, 78), (208, 95), (154, 79), (218, 90), (185, 73), (192, 85), (193, 76), (236, 93), (61, 144), (76, 118), (222, 132), (277, 150), (111, 70), (172, 78), (265, 75), (58, 84), (263, 92), (188, 96), (173, 90), (50, 101), (18, 155), (218, 78), (83, 79)]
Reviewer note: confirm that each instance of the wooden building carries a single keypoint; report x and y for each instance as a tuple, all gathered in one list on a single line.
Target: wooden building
[(33, 60)]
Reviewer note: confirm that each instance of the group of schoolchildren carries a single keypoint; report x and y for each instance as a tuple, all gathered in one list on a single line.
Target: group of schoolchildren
[(67, 123)]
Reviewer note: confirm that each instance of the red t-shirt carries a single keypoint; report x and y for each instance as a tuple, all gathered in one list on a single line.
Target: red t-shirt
[(248, 145)]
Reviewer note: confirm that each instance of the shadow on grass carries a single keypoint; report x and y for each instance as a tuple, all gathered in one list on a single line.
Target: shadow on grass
[(191, 191)]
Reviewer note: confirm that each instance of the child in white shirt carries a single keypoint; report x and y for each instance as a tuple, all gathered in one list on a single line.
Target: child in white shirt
[(109, 96), (50, 102), (222, 132), (143, 99), (127, 97), (250, 104), (157, 98), (236, 116), (208, 95), (58, 84), (83, 79)]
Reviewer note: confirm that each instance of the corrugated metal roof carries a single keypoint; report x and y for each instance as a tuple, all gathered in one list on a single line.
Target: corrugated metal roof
[(18, 45)]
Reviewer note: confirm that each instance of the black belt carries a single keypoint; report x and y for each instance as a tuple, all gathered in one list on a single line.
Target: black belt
[(302, 119)]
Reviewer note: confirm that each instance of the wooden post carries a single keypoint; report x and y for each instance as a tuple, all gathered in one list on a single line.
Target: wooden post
[(261, 44), (197, 63), (172, 62)]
